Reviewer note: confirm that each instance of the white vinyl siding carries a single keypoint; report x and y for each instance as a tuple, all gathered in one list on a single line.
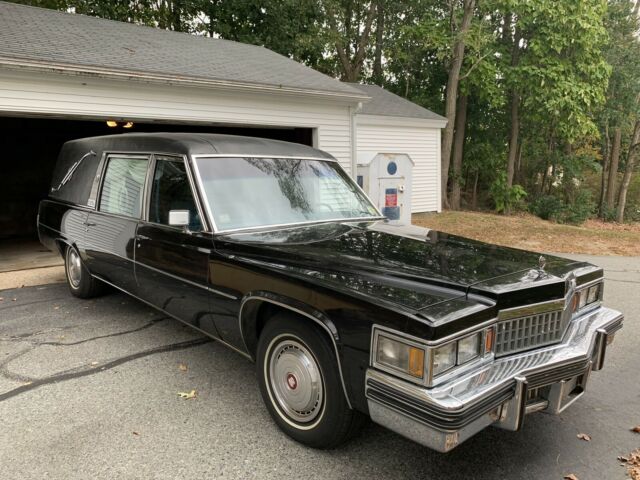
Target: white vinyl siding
[(97, 98), (421, 143)]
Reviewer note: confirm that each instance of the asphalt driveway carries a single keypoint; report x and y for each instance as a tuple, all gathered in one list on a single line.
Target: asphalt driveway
[(89, 389)]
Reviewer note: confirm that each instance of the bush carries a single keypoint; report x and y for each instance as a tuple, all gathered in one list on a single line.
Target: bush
[(547, 207), (578, 211), (504, 197), (552, 207)]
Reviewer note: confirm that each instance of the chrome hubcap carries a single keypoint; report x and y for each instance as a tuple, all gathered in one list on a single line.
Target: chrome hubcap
[(74, 268), (296, 381)]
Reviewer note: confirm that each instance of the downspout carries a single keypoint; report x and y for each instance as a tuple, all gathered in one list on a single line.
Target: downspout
[(353, 111)]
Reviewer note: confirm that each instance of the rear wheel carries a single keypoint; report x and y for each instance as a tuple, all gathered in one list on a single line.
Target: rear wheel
[(300, 383), (80, 282)]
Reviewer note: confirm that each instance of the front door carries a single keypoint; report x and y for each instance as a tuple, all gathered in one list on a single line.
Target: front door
[(172, 262), (110, 230)]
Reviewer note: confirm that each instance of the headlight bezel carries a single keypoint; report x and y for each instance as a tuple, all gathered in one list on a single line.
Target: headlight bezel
[(431, 378), (578, 306)]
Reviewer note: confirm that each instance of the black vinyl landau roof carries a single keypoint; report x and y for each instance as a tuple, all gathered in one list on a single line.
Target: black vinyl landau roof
[(77, 190)]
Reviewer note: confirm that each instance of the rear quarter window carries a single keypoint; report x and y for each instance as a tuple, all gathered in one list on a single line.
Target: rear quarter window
[(123, 186)]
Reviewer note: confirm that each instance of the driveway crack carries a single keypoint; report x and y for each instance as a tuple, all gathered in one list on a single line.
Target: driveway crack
[(83, 372)]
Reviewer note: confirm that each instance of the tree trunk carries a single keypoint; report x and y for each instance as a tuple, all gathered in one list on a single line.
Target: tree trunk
[(613, 168), (515, 114), (474, 197), (377, 60), (452, 94), (626, 180), (458, 150), (605, 170)]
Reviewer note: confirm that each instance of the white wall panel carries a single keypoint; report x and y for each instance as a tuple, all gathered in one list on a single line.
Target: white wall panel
[(421, 143), (37, 93)]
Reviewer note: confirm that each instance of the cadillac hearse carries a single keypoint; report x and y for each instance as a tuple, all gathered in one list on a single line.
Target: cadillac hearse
[(271, 249)]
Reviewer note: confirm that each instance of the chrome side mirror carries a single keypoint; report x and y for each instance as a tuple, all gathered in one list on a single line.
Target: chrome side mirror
[(179, 218)]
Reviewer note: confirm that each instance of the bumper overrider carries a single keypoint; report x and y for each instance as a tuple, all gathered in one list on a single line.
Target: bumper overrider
[(501, 393)]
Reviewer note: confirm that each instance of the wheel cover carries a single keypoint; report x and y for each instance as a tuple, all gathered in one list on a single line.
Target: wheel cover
[(74, 268), (295, 378)]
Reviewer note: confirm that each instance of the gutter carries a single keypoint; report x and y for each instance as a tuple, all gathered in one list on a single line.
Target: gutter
[(34, 65), (353, 111)]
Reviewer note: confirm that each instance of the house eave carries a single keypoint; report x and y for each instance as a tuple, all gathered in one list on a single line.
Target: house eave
[(368, 119), (159, 78)]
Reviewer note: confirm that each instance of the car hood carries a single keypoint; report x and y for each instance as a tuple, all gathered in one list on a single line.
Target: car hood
[(411, 267)]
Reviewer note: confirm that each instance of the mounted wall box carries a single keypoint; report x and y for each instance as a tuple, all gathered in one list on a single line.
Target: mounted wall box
[(387, 178)]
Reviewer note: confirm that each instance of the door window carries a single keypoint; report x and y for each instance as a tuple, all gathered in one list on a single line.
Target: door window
[(171, 191), (123, 186)]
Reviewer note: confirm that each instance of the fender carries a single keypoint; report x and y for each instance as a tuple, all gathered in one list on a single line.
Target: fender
[(247, 320)]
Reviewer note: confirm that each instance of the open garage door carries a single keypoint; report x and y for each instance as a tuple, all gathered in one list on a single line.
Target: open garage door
[(32, 144)]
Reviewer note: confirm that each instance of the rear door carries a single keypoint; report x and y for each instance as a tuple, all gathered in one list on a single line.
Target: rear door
[(110, 230), (172, 262)]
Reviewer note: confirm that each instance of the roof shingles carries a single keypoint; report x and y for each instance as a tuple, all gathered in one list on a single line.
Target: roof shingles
[(386, 103), (52, 37)]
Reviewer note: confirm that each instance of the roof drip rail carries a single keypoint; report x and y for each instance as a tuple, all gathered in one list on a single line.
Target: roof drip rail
[(71, 171)]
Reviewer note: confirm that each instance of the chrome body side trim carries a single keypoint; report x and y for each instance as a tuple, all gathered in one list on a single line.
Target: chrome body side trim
[(299, 312), (496, 394)]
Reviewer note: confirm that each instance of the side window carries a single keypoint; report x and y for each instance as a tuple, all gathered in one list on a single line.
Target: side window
[(123, 186), (171, 191)]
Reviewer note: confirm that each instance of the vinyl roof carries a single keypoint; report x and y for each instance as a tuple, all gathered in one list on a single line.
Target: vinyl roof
[(31, 36), (383, 102), (197, 144)]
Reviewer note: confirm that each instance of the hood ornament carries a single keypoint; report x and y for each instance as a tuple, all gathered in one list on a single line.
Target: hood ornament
[(542, 262)]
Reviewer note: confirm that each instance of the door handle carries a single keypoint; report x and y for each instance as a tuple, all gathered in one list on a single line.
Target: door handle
[(89, 224), (142, 237)]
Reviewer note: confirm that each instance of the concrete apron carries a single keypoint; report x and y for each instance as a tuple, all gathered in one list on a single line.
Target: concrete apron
[(25, 263)]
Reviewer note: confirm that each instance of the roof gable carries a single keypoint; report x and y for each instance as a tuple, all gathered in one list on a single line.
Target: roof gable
[(52, 38), (385, 103)]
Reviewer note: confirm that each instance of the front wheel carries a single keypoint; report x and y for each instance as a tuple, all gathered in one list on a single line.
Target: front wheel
[(300, 383)]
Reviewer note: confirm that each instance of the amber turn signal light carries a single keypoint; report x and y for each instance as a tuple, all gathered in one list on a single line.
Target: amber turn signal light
[(416, 362)]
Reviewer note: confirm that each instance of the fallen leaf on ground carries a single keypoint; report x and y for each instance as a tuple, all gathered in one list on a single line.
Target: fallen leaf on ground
[(632, 462), (56, 307), (189, 395), (1, 299), (571, 476), (584, 436), (93, 364), (182, 367), (135, 433), (636, 429), (14, 299)]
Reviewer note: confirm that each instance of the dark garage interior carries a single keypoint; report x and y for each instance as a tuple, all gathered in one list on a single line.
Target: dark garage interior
[(31, 146)]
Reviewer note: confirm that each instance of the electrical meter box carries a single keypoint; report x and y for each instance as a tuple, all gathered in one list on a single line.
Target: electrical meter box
[(386, 178)]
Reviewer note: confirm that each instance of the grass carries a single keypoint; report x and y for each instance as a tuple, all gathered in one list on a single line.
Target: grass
[(532, 233)]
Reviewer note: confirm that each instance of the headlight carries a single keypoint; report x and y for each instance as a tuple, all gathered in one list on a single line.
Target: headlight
[(444, 358), (408, 357), (586, 296), (400, 356), (469, 348)]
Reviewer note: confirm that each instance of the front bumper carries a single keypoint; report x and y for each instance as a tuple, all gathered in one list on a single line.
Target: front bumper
[(499, 394)]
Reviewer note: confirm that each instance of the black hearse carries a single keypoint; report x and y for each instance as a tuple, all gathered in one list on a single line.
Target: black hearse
[(271, 249)]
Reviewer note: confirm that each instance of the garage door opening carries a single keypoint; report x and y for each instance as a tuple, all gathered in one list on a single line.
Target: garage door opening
[(32, 145)]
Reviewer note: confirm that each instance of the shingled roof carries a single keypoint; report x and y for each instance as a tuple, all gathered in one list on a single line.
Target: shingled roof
[(383, 102), (43, 38)]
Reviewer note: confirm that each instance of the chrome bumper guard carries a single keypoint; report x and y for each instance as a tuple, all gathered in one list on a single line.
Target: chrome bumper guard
[(500, 394)]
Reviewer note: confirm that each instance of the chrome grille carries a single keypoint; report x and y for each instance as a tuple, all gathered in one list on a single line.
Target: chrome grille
[(528, 332)]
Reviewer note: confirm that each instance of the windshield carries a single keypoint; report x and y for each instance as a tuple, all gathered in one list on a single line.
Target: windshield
[(257, 192)]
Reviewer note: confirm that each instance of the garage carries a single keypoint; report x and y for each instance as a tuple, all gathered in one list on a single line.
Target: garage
[(66, 76)]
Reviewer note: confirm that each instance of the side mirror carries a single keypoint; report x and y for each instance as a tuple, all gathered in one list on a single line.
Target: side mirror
[(179, 218)]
